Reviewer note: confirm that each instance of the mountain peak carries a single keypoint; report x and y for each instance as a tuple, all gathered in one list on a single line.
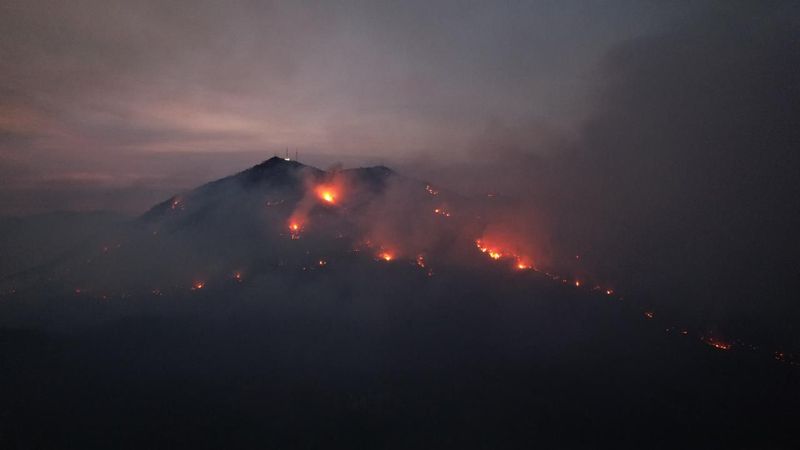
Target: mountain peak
[(277, 161)]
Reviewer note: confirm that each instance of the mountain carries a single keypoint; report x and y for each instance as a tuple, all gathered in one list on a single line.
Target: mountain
[(377, 321)]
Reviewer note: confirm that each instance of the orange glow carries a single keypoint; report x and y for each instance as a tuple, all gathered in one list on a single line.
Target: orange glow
[(717, 344), (198, 285), (577, 283), (386, 256), (421, 261), (295, 227), (237, 276), (327, 194), (523, 263)]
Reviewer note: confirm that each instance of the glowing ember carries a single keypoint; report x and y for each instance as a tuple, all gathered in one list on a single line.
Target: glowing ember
[(421, 261), (649, 314), (609, 291), (237, 276), (522, 265), (431, 190), (294, 229), (577, 283), (717, 344), (198, 285), (441, 212), (386, 256), (322, 263), (495, 254)]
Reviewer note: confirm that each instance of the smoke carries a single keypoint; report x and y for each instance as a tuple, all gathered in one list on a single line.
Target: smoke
[(681, 185)]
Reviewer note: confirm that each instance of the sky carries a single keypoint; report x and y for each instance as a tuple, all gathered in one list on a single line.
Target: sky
[(116, 105)]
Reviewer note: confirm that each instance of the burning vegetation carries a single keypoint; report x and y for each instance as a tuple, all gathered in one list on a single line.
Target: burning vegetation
[(521, 262), (328, 194), (717, 343), (386, 256)]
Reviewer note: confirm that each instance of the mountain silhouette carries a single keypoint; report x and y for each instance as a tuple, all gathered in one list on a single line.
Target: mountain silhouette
[(376, 322)]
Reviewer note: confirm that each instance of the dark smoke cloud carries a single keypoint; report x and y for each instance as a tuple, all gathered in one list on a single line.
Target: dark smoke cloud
[(682, 185)]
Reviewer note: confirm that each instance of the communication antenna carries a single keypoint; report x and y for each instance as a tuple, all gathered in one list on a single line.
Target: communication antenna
[(295, 154)]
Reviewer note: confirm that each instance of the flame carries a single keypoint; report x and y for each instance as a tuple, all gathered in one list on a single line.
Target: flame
[(523, 264), (386, 256), (421, 261), (718, 344), (295, 227), (327, 194), (197, 285)]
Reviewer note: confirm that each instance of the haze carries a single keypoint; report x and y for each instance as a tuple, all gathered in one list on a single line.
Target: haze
[(114, 105)]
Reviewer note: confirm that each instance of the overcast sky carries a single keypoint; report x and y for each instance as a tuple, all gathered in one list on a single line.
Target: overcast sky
[(114, 104)]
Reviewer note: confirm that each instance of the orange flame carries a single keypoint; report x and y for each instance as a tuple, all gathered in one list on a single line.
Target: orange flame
[(717, 344), (386, 256), (327, 194)]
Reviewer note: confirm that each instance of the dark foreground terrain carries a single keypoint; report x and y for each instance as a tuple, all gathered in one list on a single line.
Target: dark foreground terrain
[(504, 361)]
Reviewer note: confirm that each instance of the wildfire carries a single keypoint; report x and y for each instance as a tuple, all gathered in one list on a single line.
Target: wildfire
[(322, 263), (718, 344), (294, 228), (649, 314), (386, 256), (441, 212), (327, 194), (521, 263), (431, 190), (237, 276), (198, 285)]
